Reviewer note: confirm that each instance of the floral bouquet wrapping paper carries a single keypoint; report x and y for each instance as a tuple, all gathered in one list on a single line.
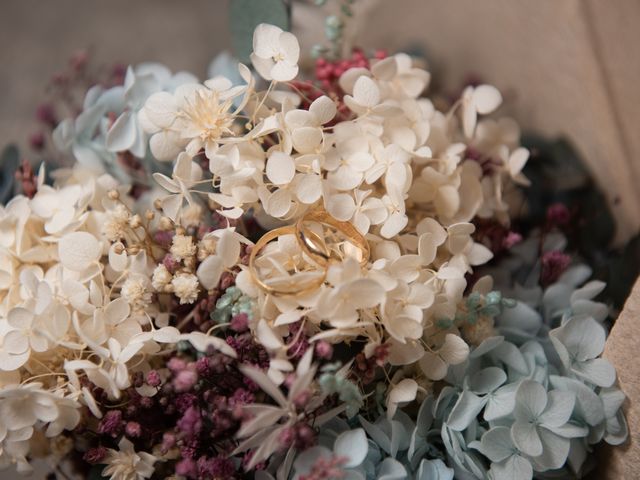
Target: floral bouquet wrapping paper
[(277, 276)]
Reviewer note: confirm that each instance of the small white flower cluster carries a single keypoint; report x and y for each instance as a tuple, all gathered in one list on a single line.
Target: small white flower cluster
[(393, 166)]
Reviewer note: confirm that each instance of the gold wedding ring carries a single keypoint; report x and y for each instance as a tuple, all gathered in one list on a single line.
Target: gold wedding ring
[(295, 287), (315, 246)]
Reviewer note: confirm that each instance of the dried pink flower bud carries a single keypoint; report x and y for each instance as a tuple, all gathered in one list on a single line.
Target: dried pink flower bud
[(185, 380), (240, 322), (511, 239), (324, 350), (133, 429), (186, 467), (302, 399), (111, 423), (95, 455), (176, 364), (153, 378)]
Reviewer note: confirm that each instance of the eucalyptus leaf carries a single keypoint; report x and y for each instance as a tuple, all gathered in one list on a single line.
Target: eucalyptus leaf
[(246, 15)]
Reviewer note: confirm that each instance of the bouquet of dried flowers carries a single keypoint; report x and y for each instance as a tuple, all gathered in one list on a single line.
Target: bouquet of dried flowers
[(265, 277)]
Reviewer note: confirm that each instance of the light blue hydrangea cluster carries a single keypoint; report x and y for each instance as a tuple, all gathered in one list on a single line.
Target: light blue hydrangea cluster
[(381, 450), (519, 409), (94, 138), (536, 399), (531, 401)]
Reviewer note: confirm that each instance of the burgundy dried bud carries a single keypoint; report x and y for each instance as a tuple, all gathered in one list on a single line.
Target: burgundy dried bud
[(302, 399), (305, 436), (558, 215), (168, 442), (133, 429), (36, 141), (111, 423), (554, 264), (187, 468), (95, 455), (79, 60), (45, 113), (191, 422), (227, 280), (170, 263)]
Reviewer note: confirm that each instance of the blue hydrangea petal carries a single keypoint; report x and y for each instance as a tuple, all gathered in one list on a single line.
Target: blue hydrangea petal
[(555, 451), (122, 134), (501, 402), (521, 317), (433, 470), (465, 410), (526, 437), (495, 444), (487, 380), (486, 346), (511, 356), (352, 444), (391, 469), (305, 461), (531, 400), (559, 408), (598, 371), (514, 467)]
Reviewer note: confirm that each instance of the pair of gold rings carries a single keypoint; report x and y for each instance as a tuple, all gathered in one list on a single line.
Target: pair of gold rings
[(322, 240)]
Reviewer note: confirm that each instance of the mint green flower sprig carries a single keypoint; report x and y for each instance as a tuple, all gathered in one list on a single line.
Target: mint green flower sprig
[(478, 306), (334, 27), (333, 380), (232, 302)]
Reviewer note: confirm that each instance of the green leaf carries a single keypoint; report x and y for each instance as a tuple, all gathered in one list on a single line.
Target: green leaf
[(96, 472), (8, 165), (246, 15)]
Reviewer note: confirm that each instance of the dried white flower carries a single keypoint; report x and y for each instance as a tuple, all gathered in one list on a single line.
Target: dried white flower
[(116, 224), (127, 464), (161, 278), (275, 53), (182, 247), (185, 287), (135, 291)]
